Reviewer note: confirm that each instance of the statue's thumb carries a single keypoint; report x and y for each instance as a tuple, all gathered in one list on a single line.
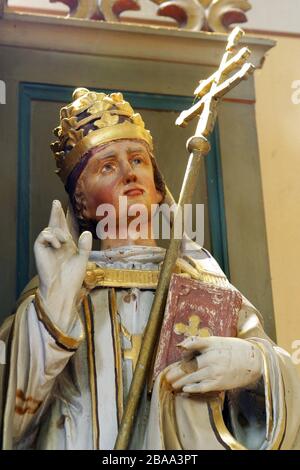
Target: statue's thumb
[(85, 244)]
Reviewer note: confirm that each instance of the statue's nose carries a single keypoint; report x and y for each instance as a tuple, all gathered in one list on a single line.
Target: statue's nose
[(130, 177), (129, 174)]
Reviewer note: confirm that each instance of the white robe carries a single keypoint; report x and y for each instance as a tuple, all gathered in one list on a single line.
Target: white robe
[(55, 398)]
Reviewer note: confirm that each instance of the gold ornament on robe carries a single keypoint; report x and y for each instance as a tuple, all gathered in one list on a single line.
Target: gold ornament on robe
[(136, 342)]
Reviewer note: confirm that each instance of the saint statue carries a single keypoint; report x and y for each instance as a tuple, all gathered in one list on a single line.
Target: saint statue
[(74, 339)]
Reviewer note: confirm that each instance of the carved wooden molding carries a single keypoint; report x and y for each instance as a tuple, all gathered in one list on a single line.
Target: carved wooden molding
[(193, 15)]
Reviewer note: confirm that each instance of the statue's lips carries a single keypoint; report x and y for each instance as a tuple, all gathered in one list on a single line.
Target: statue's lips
[(133, 192)]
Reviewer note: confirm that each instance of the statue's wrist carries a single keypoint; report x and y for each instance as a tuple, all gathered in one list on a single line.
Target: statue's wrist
[(57, 299), (60, 307), (256, 364), (61, 335)]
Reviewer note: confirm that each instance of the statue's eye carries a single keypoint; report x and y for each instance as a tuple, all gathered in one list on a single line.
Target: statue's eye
[(107, 168), (137, 161)]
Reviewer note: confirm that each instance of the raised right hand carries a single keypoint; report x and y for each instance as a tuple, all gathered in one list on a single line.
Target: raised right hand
[(61, 265)]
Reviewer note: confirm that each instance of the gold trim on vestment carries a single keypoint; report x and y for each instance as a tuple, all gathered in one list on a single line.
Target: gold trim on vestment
[(127, 278), (132, 354), (87, 308), (140, 278), (24, 296), (281, 433), (168, 428), (60, 337), (215, 406), (117, 351)]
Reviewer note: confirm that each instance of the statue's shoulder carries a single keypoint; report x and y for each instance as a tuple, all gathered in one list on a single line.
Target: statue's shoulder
[(30, 289), (7, 324), (201, 264)]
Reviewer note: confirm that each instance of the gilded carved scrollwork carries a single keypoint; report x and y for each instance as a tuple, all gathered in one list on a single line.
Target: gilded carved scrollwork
[(87, 9), (108, 10), (194, 15), (207, 15), (223, 13)]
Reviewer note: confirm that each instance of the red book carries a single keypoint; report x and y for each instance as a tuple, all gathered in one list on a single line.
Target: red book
[(195, 308)]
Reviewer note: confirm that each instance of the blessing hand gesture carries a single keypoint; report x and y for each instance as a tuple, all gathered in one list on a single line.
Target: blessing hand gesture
[(60, 263)]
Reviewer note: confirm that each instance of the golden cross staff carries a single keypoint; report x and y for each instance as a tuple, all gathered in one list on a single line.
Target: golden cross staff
[(210, 92)]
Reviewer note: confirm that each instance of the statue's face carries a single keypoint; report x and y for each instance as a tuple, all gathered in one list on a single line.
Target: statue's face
[(122, 168)]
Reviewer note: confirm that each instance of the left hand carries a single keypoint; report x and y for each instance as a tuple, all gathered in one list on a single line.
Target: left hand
[(218, 364)]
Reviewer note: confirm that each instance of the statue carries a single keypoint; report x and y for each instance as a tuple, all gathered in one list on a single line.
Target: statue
[(75, 338)]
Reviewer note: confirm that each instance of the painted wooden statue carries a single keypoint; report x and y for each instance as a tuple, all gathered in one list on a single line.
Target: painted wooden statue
[(75, 338)]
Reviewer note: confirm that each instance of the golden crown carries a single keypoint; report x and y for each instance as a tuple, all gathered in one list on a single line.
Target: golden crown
[(90, 120)]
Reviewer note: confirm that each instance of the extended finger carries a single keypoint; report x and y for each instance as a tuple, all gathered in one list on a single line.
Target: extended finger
[(54, 220), (203, 374), (62, 220)]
